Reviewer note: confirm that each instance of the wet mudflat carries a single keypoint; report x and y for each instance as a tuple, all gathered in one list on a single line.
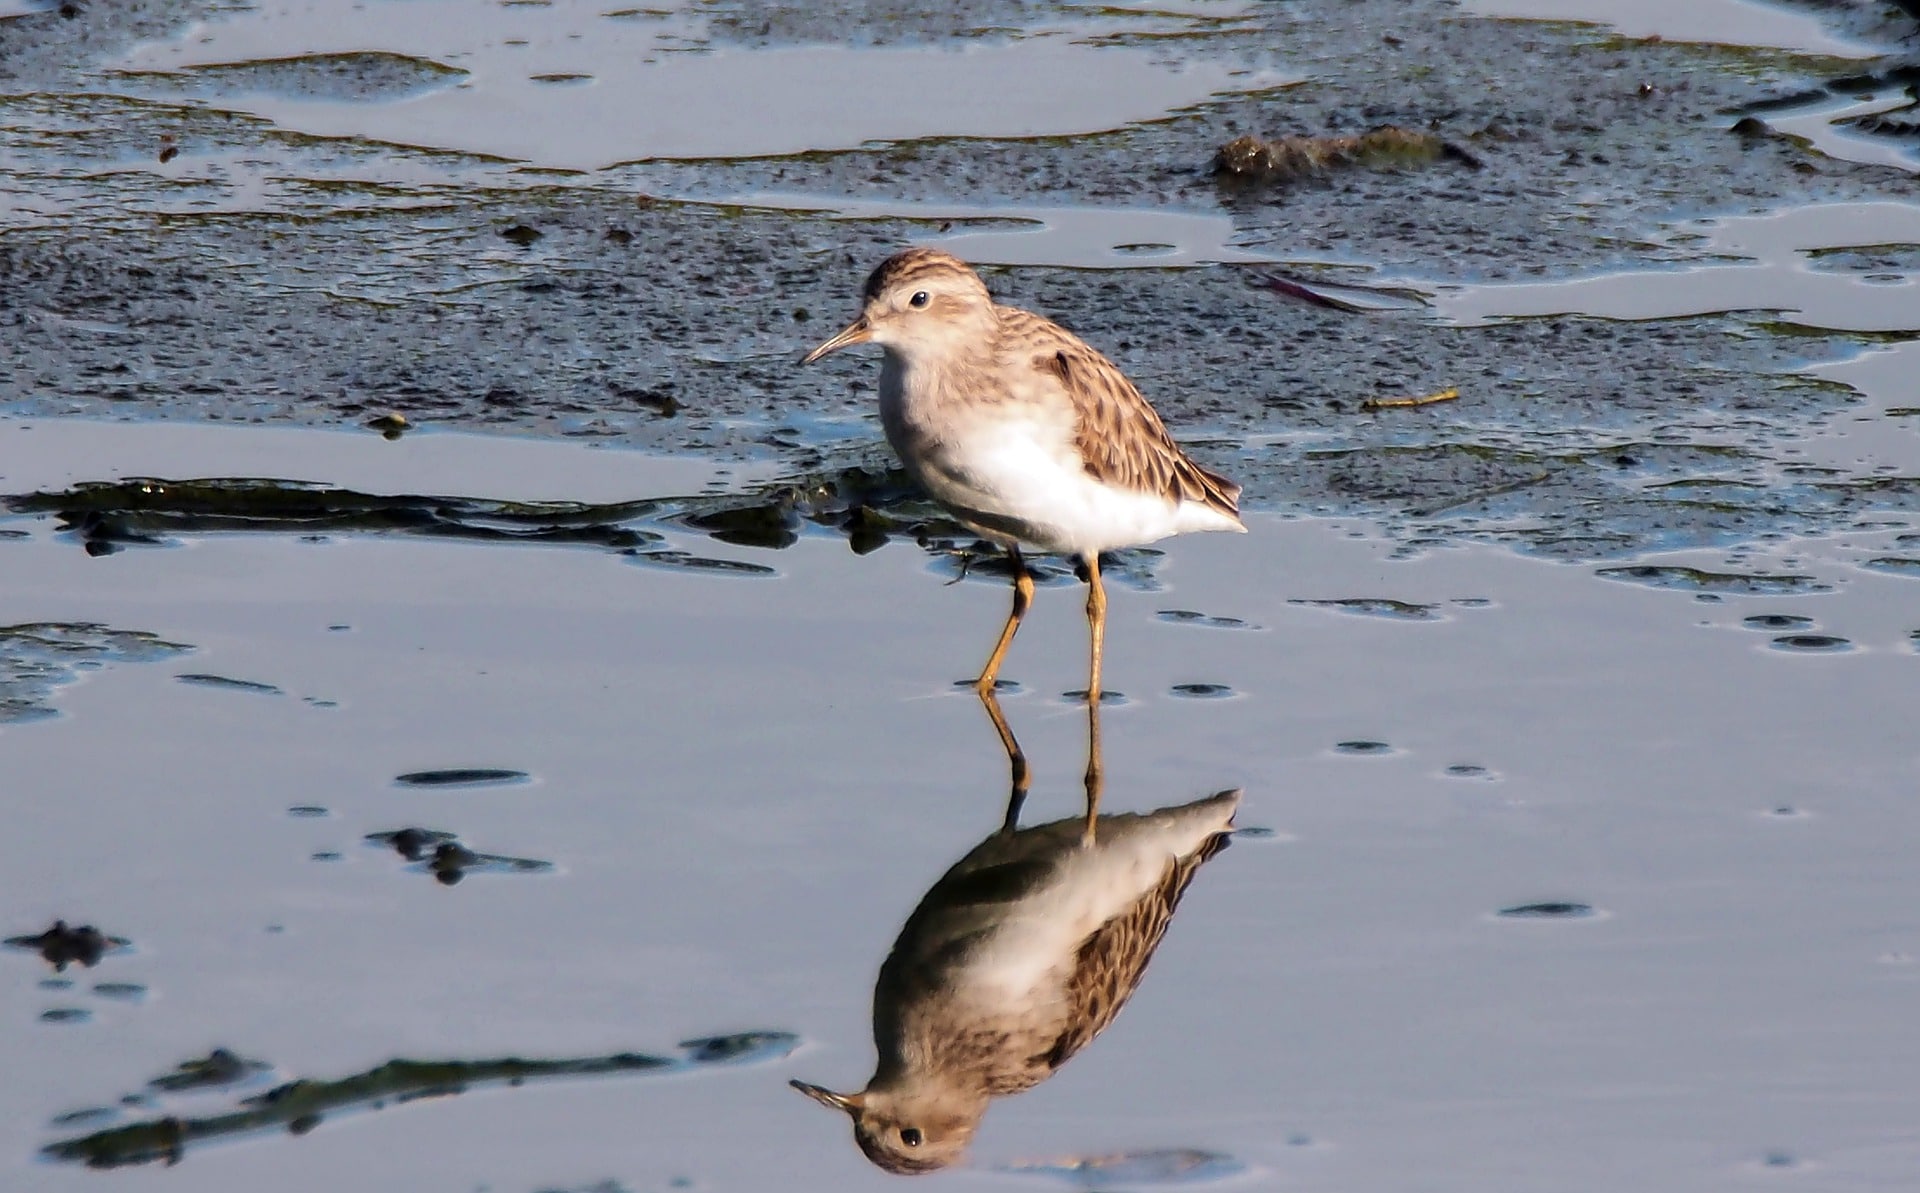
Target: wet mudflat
[(1647, 249), (523, 812), (1611, 896)]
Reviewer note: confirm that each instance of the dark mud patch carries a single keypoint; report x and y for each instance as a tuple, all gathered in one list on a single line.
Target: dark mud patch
[(1375, 607), (442, 855), (149, 510), (226, 683), (687, 561), (1548, 911), (1811, 644), (412, 844), (264, 275), (1696, 580), (1202, 691), (301, 1105), (64, 944), (1205, 620), (37, 657), (219, 1069), (1363, 748), (470, 776), (355, 77), (1894, 565)]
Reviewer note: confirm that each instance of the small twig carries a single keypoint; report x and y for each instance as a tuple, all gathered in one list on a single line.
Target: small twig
[(1445, 395)]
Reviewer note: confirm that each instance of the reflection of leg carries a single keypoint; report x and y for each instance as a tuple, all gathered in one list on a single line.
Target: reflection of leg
[(1016, 760), (1096, 770), (1096, 624), (1022, 598)]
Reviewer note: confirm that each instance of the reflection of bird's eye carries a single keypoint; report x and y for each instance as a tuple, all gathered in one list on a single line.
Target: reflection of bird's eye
[(911, 1135), (919, 299)]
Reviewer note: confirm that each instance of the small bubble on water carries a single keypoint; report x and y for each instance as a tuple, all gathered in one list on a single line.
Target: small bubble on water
[(65, 1015), (1467, 770), (306, 811)]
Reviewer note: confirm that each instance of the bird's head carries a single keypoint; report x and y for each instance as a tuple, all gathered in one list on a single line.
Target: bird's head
[(921, 302), (904, 1134)]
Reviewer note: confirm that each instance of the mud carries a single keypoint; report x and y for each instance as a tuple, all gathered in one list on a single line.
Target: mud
[(259, 273)]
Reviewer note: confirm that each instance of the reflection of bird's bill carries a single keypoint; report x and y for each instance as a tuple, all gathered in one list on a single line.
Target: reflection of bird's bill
[(826, 1097), (857, 332)]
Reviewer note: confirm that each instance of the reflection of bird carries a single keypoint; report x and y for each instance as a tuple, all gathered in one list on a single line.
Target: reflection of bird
[(1022, 952), (1023, 431)]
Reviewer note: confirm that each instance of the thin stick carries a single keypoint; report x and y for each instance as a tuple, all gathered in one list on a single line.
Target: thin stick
[(1445, 395)]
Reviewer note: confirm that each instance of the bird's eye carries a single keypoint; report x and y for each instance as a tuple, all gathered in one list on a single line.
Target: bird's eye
[(919, 299), (910, 1135)]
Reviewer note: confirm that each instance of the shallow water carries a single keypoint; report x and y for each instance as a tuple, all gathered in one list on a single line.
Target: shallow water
[(401, 769), (1718, 22), (744, 782), (579, 86)]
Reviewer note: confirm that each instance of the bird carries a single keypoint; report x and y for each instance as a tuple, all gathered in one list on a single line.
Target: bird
[(1023, 952), (1024, 432)]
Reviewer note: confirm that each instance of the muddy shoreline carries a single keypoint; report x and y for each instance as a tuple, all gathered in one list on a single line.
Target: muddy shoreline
[(662, 304)]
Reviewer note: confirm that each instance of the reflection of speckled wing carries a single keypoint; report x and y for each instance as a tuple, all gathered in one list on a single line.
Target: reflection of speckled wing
[(1110, 964), (1121, 439)]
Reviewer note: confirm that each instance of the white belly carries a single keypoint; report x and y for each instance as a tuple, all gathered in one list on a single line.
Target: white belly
[(1021, 482)]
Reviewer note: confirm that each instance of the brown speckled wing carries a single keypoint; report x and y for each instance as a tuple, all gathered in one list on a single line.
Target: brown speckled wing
[(1112, 961), (1122, 440)]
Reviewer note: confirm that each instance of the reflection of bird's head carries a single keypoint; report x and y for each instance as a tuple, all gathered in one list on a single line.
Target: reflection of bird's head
[(906, 1132)]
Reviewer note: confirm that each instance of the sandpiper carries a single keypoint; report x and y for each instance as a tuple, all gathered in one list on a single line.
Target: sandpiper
[(1022, 953), (1024, 432)]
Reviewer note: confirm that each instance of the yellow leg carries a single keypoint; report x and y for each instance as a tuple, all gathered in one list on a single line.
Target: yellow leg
[(1096, 770), (1096, 625), (1016, 761), (1022, 598)]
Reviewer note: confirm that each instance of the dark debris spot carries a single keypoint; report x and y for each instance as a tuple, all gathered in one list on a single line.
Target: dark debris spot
[(1812, 643), (473, 776), (1777, 621), (1202, 691), (63, 945), (1547, 911)]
